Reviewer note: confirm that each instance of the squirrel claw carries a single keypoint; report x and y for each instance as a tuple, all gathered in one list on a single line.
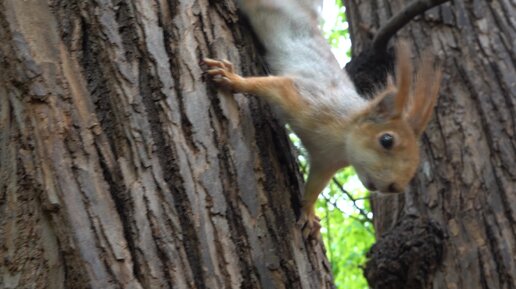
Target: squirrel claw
[(310, 226), (222, 73), (222, 64)]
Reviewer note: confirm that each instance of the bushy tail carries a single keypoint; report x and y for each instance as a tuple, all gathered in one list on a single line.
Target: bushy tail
[(278, 21), (310, 6)]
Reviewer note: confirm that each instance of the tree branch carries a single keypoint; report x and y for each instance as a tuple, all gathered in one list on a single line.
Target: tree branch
[(401, 19), (369, 69)]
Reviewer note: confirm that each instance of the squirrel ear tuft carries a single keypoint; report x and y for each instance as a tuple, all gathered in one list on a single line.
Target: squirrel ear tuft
[(386, 108)]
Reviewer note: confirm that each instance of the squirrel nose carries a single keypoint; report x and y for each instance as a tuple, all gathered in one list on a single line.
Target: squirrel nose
[(370, 186), (393, 188)]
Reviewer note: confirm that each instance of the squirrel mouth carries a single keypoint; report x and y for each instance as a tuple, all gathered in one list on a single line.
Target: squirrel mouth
[(370, 186), (366, 181)]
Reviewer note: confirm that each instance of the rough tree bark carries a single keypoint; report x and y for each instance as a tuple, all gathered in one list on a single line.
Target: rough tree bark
[(121, 168), (463, 199)]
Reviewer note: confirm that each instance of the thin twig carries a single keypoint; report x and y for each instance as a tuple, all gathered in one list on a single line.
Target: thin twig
[(352, 199), (361, 221), (348, 195)]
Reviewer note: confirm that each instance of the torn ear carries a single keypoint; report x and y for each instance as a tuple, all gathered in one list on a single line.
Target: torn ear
[(424, 96)]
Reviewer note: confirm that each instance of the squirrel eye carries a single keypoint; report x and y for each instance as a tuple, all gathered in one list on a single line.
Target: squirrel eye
[(387, 140)]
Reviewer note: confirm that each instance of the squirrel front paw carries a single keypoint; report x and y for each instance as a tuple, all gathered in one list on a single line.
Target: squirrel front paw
[(223, 74), (309, 224)]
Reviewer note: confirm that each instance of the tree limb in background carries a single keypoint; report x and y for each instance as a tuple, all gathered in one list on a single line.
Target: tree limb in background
[(368, 70), (401, 19)]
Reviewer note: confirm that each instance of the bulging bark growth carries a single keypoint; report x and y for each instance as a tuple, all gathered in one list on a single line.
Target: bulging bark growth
[(413, 246)]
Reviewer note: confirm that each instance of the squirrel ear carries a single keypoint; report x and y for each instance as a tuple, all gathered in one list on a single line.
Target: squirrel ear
[(395, 97), (385, 107), (425, 94)]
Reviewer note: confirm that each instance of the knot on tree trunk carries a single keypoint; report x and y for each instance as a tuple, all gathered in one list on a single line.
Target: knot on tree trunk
[(406, 256)]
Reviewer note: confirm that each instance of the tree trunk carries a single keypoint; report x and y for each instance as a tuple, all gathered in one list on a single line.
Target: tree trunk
[(466, 184), (121, 168)]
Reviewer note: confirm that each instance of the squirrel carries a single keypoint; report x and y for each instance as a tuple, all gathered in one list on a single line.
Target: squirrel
[(337, 126)]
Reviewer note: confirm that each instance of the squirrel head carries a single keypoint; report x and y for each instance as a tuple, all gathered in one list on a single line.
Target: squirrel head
[(382, 140)]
